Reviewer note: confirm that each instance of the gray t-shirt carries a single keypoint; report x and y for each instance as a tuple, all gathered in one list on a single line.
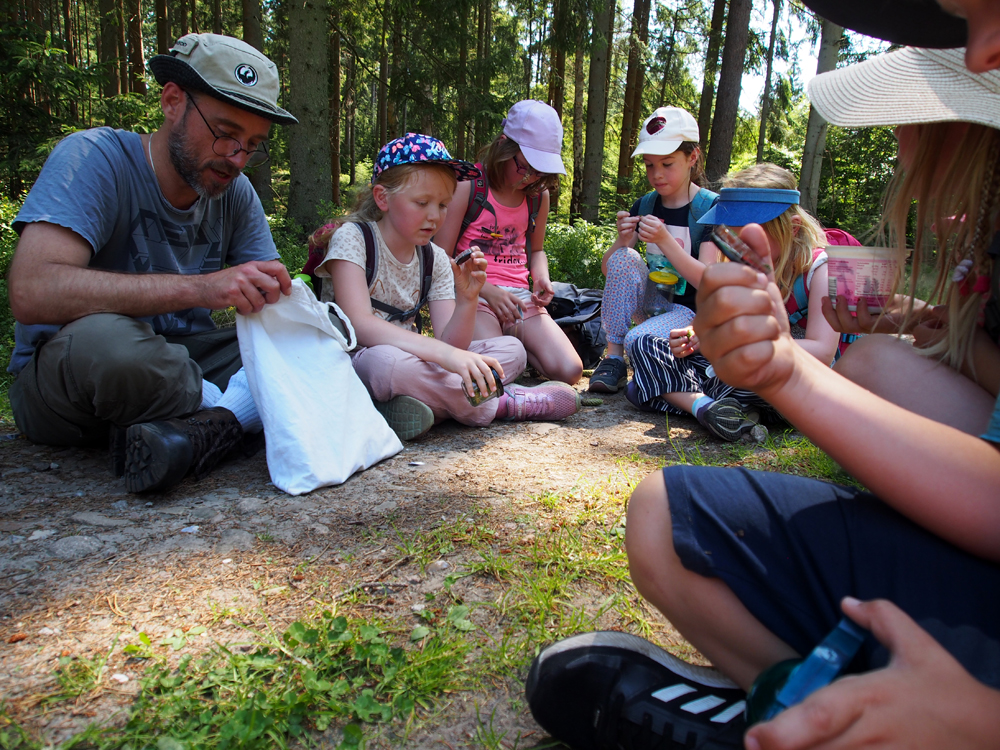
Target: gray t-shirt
[(99, 184)]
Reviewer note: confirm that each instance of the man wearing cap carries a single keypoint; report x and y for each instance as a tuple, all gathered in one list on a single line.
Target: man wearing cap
[(127, 243)]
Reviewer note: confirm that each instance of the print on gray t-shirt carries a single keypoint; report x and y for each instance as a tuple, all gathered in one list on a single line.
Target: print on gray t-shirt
[(99, 184)]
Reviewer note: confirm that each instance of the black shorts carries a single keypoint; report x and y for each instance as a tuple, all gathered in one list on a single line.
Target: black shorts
[(791, 548)]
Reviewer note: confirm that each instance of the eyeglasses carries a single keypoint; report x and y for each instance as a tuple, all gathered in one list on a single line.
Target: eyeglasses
[(228, 147), (524, 169), (655, 125)]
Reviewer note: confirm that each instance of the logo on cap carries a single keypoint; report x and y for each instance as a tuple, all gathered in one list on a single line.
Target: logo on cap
[(246, 75)]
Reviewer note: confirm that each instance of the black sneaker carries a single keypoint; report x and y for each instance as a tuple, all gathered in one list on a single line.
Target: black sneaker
[(727, 420), (160, 454), (609, 690), (609, 376)]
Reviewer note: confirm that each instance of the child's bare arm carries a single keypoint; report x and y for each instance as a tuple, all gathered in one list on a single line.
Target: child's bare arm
[(626, 237), (447, 234), (351, 293), (821, 340)]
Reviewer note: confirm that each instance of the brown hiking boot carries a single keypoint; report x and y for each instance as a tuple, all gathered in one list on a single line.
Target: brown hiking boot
[(158, 455)]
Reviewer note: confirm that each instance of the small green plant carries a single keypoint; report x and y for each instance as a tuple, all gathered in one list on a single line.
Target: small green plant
[(81, 675), (575, 251), (320, 672)]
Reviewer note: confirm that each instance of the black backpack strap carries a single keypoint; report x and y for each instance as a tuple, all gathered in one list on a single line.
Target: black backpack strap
[(534, 206), (478, 200), (371, 252), (426, 277)]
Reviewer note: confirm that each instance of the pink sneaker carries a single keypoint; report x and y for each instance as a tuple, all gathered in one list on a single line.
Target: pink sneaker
[(551, 400)]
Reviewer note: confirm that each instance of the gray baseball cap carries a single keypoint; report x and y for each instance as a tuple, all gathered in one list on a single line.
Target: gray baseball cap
[(226, 68)]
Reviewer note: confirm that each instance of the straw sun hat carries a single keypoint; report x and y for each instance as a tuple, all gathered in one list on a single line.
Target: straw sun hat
[(905, 87)]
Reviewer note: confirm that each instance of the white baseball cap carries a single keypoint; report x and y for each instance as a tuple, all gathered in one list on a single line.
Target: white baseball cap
[(665, 130), (535, 127), (226, 68)]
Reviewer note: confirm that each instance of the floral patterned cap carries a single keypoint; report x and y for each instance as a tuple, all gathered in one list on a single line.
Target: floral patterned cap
[(414, 148)]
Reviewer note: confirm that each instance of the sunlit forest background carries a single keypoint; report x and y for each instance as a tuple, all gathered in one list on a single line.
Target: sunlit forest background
[(360, 73)]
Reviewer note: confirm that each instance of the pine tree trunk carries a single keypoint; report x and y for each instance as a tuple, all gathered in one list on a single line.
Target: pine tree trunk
[(463, 66), (70, 46), (309, 146), (711, 68), (137, 59), (812, 153), (335, 106), (162, 28), (253, 34), (184, 17), (108, 52), (669, 61), (611, 64), (194, 17), (634, 79), (765, 105), (396, 107), (216, 16), (730, 84), (597, 95), (576, 195), (122, 46), (383, 80)]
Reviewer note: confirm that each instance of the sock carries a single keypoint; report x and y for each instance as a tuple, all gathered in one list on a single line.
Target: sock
[(700, 404), (616, 356), (502, 403), (210, 394), (239, 401)]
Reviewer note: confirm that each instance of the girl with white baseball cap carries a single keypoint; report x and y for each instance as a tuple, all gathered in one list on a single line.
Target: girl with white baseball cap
[(666, 219)]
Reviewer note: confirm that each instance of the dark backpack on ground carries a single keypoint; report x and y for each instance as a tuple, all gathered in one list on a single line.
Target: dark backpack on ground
[(578, 313), (479, 200), (317, 251)]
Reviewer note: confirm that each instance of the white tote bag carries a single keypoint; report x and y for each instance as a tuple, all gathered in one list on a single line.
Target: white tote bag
[(319, 421)]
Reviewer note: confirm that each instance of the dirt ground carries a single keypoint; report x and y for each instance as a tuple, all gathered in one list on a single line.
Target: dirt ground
[(82, 560)]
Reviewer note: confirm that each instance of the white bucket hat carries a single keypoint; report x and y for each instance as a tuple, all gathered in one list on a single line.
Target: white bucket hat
[(665, 130), (905, 87), (226, 68), (535, 127)]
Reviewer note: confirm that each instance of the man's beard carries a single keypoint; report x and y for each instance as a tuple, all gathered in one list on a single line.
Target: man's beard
[(184, 160)]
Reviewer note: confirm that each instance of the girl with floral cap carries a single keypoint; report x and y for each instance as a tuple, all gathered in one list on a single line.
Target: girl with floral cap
[(417, 380)]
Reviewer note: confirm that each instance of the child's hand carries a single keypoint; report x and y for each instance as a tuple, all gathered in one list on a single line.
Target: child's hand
[(683, 342), (652, 229), (626, 228), (843, 320), (470, 276), (543, 292), (923, 699), (508, 307), (472, 368), (742, 324)]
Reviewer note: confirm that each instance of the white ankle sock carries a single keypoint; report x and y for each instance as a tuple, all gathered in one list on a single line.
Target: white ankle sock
[(210, 394), (239, 401)]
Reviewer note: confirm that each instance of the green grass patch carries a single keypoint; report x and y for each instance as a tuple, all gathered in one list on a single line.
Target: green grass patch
[(320, 672)]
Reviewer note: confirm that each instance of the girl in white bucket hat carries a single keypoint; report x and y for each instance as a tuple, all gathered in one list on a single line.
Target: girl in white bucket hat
[(948, 126), (504, 213), (914, 558)]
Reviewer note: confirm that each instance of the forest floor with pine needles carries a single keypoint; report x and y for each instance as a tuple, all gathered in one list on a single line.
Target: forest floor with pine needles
[(400, 609)]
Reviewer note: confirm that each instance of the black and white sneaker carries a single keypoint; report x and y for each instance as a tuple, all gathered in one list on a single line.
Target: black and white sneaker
[(615, 691)]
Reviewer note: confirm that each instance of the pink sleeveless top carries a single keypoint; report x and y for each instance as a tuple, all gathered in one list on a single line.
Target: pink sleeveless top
[(501, 238)]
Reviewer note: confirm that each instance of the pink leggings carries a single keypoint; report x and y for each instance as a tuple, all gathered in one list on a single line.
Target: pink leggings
[(625, 298), (388, 371)]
